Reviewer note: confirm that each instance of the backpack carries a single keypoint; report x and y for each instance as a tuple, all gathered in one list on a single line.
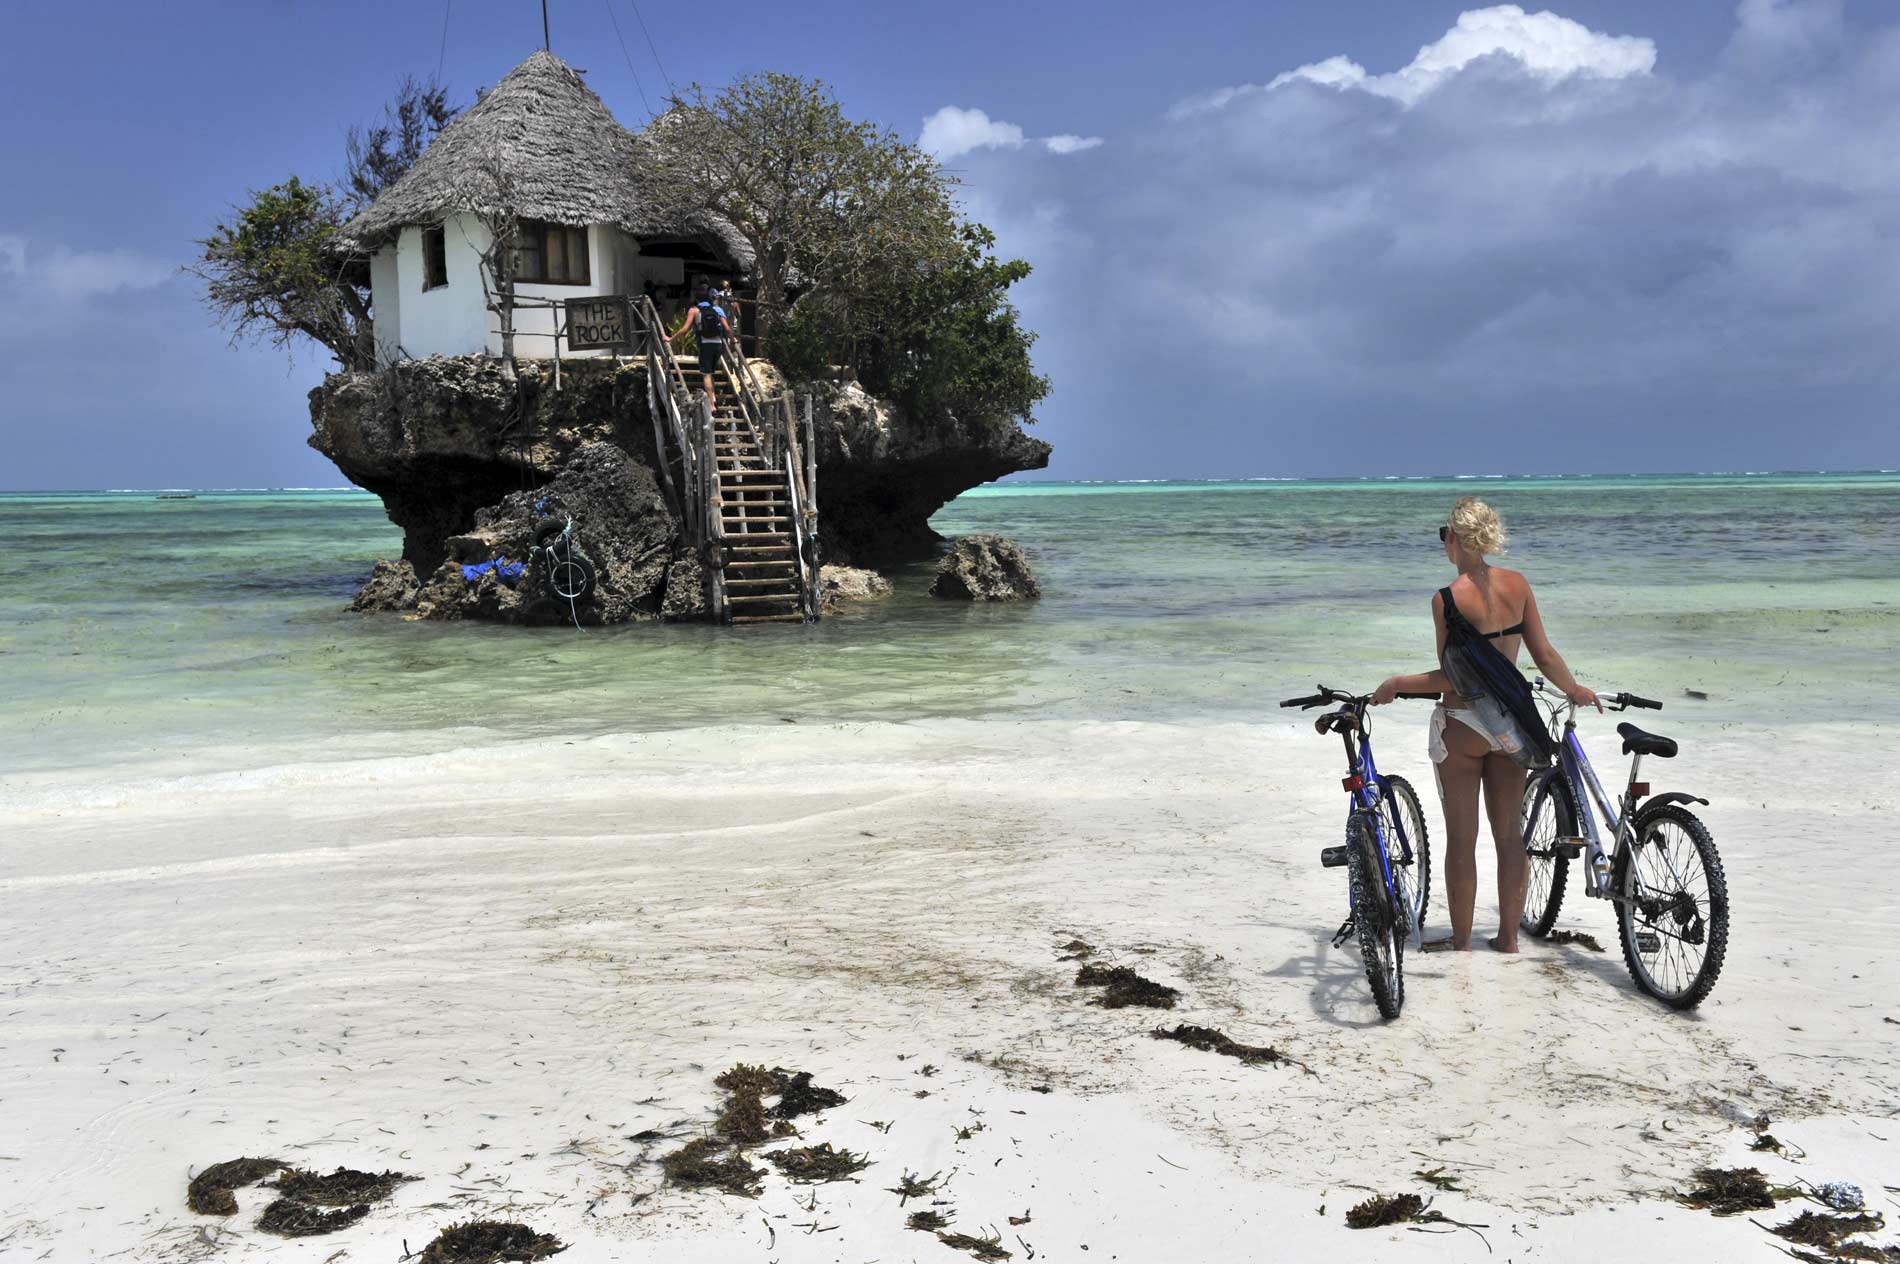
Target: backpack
[(712, 323), (1494, 686)]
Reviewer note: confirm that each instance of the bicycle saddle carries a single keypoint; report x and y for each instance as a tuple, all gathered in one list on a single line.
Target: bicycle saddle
[(1637, 742)]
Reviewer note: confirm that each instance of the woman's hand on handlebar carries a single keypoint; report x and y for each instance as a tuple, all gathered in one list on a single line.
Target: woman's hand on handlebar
[(1583, 696), (1388, 690)]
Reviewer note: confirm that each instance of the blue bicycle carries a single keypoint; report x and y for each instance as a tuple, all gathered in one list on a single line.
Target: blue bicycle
[(1386, 855), (1661, 870)]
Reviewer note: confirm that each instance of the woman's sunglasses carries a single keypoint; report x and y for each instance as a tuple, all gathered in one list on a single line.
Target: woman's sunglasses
[(1442, 533)]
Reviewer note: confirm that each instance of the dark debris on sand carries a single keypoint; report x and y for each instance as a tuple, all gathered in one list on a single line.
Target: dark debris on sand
[(799, 1096), (1574, 937), (1122, 988), (817, 1164), (1214, 1040), (1813, 1228), (1075, 950), (927, 1221), (293, 1218), (345, 1187), (209, 1193), (707, 1164), (1390, 1209), (911, 1185), (990, 1248), (489, 1242), (1727, 1191)]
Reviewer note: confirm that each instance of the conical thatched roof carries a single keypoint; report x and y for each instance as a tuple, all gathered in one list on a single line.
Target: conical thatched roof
[(569, 161)]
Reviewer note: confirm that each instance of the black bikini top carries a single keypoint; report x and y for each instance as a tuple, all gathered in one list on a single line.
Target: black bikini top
[(1515, 629)]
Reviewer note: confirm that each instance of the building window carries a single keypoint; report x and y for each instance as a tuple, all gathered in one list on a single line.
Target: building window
[(435, 259), (551, 254)]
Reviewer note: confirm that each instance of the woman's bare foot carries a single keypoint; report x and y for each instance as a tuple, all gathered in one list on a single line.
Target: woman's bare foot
[(1498, 945)]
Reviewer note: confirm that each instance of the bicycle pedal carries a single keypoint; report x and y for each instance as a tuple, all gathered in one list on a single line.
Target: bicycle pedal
[(1647, 941), (1333, 857), (1344, 933), (1569, 848)]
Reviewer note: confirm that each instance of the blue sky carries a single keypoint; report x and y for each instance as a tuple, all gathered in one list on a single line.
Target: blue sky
[(1301, 238)]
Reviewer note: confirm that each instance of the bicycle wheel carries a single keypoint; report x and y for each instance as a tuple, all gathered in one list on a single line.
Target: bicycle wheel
[(1673, 919), (1413, 872), (1550, 814), (1382, 949)]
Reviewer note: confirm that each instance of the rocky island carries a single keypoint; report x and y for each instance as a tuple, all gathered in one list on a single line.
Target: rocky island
[(502, 287), (459, 456)]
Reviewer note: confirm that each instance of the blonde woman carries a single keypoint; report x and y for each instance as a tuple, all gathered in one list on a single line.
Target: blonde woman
[(1482, 737)]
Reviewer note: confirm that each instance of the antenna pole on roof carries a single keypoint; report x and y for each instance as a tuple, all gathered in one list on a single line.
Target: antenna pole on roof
[(544, 27)]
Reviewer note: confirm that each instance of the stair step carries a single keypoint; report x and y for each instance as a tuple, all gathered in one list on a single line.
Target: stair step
[(777, 599), (785, 565), (753, 545), (768, 618), (784, 583)]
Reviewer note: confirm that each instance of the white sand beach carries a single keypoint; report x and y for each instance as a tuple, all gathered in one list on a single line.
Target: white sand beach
[(492, 969)]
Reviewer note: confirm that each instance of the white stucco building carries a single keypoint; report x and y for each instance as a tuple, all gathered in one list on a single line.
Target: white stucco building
[(571, 174)]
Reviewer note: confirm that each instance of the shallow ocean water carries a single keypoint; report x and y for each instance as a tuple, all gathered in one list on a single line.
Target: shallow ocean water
[(209, 634)]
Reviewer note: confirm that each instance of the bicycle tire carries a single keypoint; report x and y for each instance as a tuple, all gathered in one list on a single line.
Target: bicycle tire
[(1382, 951), (571, 578), (1415, 879), (1651, 822), (1549, 813)]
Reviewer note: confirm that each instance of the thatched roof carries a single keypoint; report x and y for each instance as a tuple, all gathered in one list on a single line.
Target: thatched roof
[(569, 161)]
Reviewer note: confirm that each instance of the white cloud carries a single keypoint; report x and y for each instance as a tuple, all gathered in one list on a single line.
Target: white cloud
[(1553, 228), (1068, 143), (953, 132), (1545, 46), (61, 273)]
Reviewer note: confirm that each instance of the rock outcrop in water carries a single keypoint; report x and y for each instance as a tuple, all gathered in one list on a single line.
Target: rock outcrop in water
[(622, 526), (985, 568), (456, 454)]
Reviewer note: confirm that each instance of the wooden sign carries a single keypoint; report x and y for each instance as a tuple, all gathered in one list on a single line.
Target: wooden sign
[(603, 322)]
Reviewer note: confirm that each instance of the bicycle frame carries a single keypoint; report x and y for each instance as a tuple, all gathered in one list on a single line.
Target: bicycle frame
[(1575, 767), (1368, 791)]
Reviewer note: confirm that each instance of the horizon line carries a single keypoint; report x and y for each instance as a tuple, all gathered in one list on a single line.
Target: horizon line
[(1010, 479)]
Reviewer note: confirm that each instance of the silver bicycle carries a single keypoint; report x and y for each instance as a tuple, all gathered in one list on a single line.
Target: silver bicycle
[(1658, 867)]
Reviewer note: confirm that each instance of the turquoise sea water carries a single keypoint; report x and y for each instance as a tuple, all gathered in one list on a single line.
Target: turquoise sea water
[(210, 633)]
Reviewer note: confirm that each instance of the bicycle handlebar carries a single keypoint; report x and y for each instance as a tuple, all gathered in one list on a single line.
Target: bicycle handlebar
[(1328, 694), (1613, 702)]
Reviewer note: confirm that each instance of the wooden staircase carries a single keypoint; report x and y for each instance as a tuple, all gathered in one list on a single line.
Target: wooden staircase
[(746, 485), (754, 504)]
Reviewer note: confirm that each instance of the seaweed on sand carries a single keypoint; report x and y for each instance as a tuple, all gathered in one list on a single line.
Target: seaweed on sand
[(817, 1164), (1728, 1190), (705, 1164), (742, 1119), (344, 1187), (1574, 937), (1436, 1178), (294, 1218), (1389, 1209), (911, 1185), (1075, 950), (1813, 1228), (1122, 988), (990, 1248), (489, 1242), (1214, 1040), (797, 1096), (744, 1078), (927, 1221), (209, 1193)]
